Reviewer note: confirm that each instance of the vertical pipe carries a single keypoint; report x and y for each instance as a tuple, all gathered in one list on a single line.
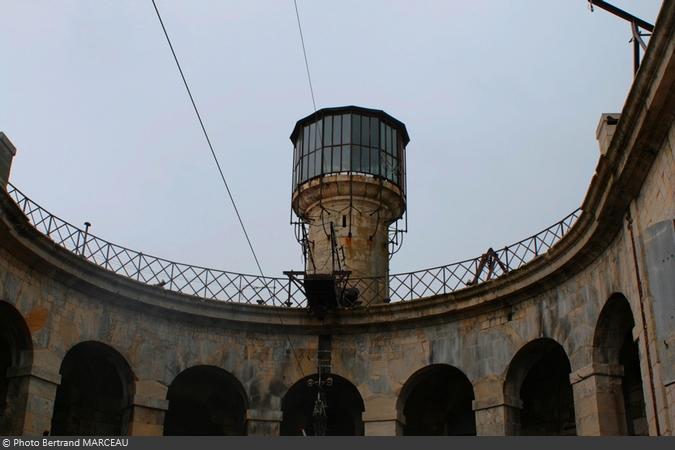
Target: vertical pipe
[(138, 267), (636, 53)]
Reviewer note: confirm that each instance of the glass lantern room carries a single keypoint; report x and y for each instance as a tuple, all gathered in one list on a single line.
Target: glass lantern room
[(349, 139)]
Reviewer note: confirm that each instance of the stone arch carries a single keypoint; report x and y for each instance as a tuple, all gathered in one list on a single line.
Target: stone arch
[(537, 388), (96, 392), (206, 401), (15, 351), (437, 400), (344, 412), (616, 353)]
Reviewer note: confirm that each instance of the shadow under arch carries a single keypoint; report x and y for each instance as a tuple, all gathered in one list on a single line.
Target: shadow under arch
[(96, 392), (538, 376), (437, 401), (206, 401), (613, 346), (344, 408), (16, 347)]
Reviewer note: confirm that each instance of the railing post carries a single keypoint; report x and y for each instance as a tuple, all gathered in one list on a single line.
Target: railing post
[(206, 282), (84, 241), (49, 225), (445, 281), (289, 303), (536, 251), (171, 279), (506, 257), (138, 266)]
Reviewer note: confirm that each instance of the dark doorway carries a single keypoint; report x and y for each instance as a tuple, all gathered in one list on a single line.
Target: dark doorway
[(5, 364), (437, 401), (344, 408), (15, 346), (539, 376), (613, 344), (95, 395), (205, 401)]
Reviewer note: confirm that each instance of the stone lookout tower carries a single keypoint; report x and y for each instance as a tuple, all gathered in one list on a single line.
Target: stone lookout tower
[(349, 195)]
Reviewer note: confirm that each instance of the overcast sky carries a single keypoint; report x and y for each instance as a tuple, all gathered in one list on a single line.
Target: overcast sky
[(501, 100)]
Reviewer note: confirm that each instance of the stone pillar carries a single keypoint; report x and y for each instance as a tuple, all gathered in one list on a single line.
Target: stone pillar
[(30, 395), (383, 424), (598, 400), (658, 242), (149, 407), (7, 152), (670, 398), (497, 417), (382, 416), (263, 422)]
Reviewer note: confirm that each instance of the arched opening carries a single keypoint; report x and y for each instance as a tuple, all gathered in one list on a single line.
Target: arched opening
[(437, 401), (95, 394), (205, 401), (539, 376), (613, 345), (344, 408), (15, 346)]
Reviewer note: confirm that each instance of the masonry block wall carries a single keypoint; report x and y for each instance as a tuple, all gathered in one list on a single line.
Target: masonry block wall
[(579, 341)]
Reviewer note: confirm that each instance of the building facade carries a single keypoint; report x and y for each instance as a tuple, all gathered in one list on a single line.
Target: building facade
[(578, 340)]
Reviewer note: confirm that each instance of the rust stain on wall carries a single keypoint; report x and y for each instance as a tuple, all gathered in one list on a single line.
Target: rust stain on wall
[(37, 318)]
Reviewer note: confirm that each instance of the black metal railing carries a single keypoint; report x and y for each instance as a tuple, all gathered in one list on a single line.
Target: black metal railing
[(254, 289), (451, 277)]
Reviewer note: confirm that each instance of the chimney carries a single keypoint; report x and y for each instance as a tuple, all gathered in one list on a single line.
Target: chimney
[(7, 152), (605, 130)]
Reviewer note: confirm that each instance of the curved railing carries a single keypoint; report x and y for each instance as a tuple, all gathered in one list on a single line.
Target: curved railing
[(242, 288), (454, 276)]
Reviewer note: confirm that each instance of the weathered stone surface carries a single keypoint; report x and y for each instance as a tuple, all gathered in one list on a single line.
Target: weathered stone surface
[(263, 422), (478, 330), (360, 208)]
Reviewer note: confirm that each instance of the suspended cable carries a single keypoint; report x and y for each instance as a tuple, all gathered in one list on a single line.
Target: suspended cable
[(222, 176), (208, 140), (304, 52)]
